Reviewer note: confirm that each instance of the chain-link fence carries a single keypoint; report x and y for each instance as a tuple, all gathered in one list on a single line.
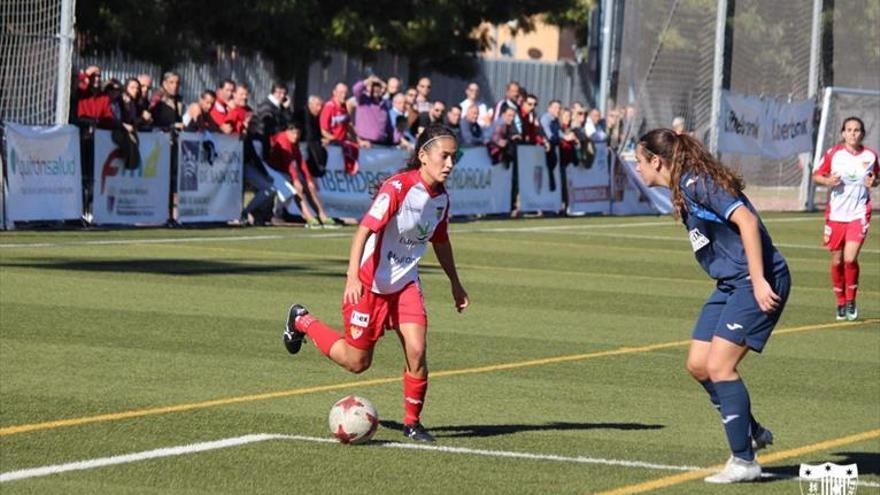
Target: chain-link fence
[(34, 49), (667, 56)]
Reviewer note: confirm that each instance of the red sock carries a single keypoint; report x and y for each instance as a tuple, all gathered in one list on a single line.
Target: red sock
[(851, 276), (414, 390), (837, 282), (323, 335)]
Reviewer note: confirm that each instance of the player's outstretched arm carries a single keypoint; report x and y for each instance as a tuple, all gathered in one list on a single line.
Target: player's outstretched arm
[(747, 223), (443, 251)]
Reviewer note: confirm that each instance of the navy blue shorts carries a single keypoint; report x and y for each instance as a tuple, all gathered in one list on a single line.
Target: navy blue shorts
[(732, 313)]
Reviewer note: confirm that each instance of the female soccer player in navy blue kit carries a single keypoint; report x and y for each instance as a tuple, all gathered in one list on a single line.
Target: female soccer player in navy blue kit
[(752, 282)]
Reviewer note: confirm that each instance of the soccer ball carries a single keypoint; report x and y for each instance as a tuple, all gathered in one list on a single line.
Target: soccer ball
[(353, 420)]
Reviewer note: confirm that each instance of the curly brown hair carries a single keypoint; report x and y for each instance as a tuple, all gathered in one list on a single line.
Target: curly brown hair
[(681, 153)]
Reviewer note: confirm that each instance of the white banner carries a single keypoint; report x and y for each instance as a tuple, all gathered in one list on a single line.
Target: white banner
[(770, 127), (476, 187), (741, 126), (43, 173), (788, 128), (589, 189), (209, 177), (132, 196), (536, 190)]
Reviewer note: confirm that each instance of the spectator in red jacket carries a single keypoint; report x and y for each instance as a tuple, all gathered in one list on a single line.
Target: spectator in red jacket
[(336, 127), (219, 111), (239, 114), (93, 105)]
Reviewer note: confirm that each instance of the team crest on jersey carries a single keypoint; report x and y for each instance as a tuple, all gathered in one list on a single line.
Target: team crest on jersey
[(359, 319), (355, 332), (380, 206), (829, 479), (698, 240)]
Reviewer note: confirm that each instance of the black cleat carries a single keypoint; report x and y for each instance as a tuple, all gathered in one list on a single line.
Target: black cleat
[(293, 338), (841, 313), (417, 432)]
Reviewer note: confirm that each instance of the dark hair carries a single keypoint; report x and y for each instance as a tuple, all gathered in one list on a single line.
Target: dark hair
[(453, 107), (853, 118), (278, 85), (225, 82), (129, 81), (434, 130), (682, 153), (552, 102), (294, 125), (208, 92)]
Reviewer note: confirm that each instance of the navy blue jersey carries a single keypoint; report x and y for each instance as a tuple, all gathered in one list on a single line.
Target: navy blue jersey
[(714, 238)]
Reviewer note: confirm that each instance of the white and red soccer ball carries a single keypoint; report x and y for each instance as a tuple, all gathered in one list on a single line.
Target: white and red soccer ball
[(353, 419)]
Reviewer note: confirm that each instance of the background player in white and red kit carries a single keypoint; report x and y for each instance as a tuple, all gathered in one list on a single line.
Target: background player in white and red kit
[(383, 290), (848, 170)]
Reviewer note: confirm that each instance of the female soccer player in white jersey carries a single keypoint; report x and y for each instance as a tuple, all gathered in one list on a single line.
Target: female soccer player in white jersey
[(752, 283), (848, 170), (383, 290)]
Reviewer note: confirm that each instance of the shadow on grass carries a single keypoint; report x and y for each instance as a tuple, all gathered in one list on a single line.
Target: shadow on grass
[(478, 431), (180, 267)]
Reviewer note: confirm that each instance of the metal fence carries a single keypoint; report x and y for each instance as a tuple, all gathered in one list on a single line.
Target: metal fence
[(666, 59), (566, 81)]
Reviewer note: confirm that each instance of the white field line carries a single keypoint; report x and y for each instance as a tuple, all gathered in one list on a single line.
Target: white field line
[(262, 437), (325, 235)]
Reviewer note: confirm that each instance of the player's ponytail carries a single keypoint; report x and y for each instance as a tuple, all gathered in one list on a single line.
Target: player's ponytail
[(426, 140), (681, 153)]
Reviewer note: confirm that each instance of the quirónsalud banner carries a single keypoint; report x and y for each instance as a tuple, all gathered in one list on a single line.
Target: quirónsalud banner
[(770, 127), (475, 186), (133, 189), (43, 173), (209, 177)]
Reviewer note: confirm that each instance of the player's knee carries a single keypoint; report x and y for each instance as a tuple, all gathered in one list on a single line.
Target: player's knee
[(721, 372), (850, 258), (697, 370), (358, 366)]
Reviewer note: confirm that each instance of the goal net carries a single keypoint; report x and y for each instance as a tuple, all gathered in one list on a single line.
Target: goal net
[(33, 33)]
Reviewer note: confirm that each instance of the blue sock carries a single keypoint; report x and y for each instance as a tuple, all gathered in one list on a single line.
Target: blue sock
[(736, 417), (713, 397)]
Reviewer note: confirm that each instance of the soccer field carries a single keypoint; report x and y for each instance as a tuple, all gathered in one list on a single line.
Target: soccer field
[(152, 360)]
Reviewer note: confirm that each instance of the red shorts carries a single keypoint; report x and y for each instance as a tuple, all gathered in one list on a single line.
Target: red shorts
[(837, 234), (367, 320)]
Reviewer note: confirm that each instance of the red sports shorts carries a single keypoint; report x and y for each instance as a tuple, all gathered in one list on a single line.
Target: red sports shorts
[(837, 234), (367, 320)]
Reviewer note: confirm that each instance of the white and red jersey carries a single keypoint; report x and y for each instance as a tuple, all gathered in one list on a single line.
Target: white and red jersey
[(850, 200), (404, 217)]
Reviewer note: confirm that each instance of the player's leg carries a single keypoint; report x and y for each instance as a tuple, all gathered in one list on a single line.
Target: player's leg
[(724, 356), (409, 317), (330, 342), (303, 204), (704, 330), (855, 237), (835, 236)]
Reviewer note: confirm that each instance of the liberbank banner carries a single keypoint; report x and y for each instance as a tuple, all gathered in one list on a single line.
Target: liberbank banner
[(135, 196), (209, 178), (475, 186), (770, 127), (43, 173)]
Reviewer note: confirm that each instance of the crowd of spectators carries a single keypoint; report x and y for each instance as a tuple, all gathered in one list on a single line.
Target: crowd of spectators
[(375, 113)]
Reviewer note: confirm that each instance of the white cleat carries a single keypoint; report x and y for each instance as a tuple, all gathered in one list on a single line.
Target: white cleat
[(736, 471), (762, 439)]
